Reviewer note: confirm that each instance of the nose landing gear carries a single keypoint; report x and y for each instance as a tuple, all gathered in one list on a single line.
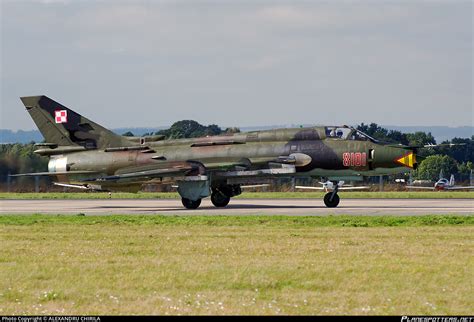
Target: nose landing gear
[(331, 199)]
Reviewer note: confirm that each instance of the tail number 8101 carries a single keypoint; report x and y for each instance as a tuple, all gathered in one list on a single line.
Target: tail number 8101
[(354, 159)]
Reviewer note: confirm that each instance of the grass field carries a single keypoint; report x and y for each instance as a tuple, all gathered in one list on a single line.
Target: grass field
[(126, 264), (263, 195)]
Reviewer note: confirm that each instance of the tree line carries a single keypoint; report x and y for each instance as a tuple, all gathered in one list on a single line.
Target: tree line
[(190, 129), (457, 159)]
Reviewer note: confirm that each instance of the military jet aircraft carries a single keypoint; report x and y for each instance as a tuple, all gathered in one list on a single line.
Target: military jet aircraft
[(442, 184), (85, 155)]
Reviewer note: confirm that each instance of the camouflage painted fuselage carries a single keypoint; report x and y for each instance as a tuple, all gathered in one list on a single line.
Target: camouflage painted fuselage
[(309, 150), (86, 154)]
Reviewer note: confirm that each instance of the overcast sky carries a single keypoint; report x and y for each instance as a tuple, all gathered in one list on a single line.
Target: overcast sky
[(240, 63)]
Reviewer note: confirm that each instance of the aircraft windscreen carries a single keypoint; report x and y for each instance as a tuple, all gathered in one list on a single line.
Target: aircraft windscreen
[(347, 133), (338, 132)]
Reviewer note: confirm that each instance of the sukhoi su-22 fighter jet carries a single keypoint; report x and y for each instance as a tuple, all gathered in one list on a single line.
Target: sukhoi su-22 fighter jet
[(84, 155)]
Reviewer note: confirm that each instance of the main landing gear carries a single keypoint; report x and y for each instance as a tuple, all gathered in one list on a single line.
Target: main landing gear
[(220, 197), (219, 200), (191, 204)]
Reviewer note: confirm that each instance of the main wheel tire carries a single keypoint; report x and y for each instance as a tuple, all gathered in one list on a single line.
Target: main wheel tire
[(191, 204), (218, 199), (331, 203)]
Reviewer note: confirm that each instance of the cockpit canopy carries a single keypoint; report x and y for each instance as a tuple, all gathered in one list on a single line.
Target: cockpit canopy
[(347, 133)]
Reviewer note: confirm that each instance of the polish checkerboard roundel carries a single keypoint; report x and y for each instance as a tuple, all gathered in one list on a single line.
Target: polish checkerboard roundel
[(60, 116)]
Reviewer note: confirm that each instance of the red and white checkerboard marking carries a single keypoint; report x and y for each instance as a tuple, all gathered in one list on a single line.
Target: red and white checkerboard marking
[(60, 116)]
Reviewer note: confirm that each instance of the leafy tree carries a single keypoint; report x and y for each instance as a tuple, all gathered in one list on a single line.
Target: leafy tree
[(213, 130), (232, 130), (128, 133), (430, 168), (464, 169), (461, 153), (382, 134), (397, 136), (420, 138), (20, 158), (189, 129), (374, 130)]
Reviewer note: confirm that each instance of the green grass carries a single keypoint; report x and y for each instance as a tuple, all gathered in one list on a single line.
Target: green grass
[(239, 221), (128, 264), (254, 195)]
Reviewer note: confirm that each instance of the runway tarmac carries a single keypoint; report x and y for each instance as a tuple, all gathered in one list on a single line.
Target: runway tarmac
[(295, 207)]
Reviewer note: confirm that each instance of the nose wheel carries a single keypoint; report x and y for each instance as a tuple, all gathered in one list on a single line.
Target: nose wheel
[(331, 200)]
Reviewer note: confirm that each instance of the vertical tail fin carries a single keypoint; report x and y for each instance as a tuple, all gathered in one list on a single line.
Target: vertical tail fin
[(441, 174), (62, 126), (451, 180)]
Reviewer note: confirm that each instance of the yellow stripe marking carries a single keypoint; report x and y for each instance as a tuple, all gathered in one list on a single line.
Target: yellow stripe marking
[(407, 160)]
